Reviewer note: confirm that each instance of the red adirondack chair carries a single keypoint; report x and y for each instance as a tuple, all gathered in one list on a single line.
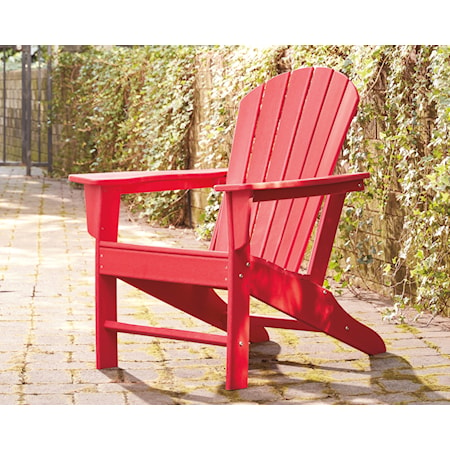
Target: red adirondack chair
[(288, 136)]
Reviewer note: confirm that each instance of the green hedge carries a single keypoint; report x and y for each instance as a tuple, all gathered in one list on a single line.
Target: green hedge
[(134, 108), (126, 109)]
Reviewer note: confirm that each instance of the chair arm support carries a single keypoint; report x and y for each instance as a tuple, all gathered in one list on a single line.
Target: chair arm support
[(308, 187), (151, 181)]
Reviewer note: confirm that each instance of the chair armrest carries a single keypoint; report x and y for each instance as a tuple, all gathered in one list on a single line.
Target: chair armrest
[(151, 181), (308, 187), (103, 190)]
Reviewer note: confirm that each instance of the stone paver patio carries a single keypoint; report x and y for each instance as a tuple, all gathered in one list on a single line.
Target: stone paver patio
[(47, 328)]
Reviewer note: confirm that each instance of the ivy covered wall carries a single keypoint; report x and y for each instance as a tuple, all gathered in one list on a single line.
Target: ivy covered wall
[(174, 107)]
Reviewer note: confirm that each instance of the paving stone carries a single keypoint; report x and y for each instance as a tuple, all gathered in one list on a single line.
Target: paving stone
[(202, 397), (47, 376), (57, 388), (9, 399), (401, 385), (140, 375), (190, 373), (9, 377), (149, 398), (99, 398), (420, 361), (443, 380), (97, 376), (361, 400), (438, 396), (346, 389), (259, 394), (307, 390), (47, 399), (398, 398), (118, 387)]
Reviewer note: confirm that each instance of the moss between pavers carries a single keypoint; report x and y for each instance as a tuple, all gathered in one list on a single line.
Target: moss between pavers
[(417, 333), (288, 338), (434, 347), (144, 313), (154, 349)]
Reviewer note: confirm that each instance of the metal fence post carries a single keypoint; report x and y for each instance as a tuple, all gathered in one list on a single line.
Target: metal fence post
[(4, 104), (26, 107), (49, 111)]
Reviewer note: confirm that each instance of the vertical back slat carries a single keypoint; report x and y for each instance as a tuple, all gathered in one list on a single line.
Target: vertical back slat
[(249, 109), (272, 104), (344, 116)]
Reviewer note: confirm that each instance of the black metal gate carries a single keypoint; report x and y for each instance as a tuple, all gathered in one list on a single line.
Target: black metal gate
[(25, 125)]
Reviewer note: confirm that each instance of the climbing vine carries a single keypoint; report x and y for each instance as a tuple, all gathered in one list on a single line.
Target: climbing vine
[(405, 95), (127, 109), (171, 107)]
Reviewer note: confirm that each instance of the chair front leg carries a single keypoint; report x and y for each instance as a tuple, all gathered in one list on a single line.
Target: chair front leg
[(105, 309), (238, 312), (238, 326)]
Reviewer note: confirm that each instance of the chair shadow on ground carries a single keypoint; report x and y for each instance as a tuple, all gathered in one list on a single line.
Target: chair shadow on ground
[(389, 379)]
